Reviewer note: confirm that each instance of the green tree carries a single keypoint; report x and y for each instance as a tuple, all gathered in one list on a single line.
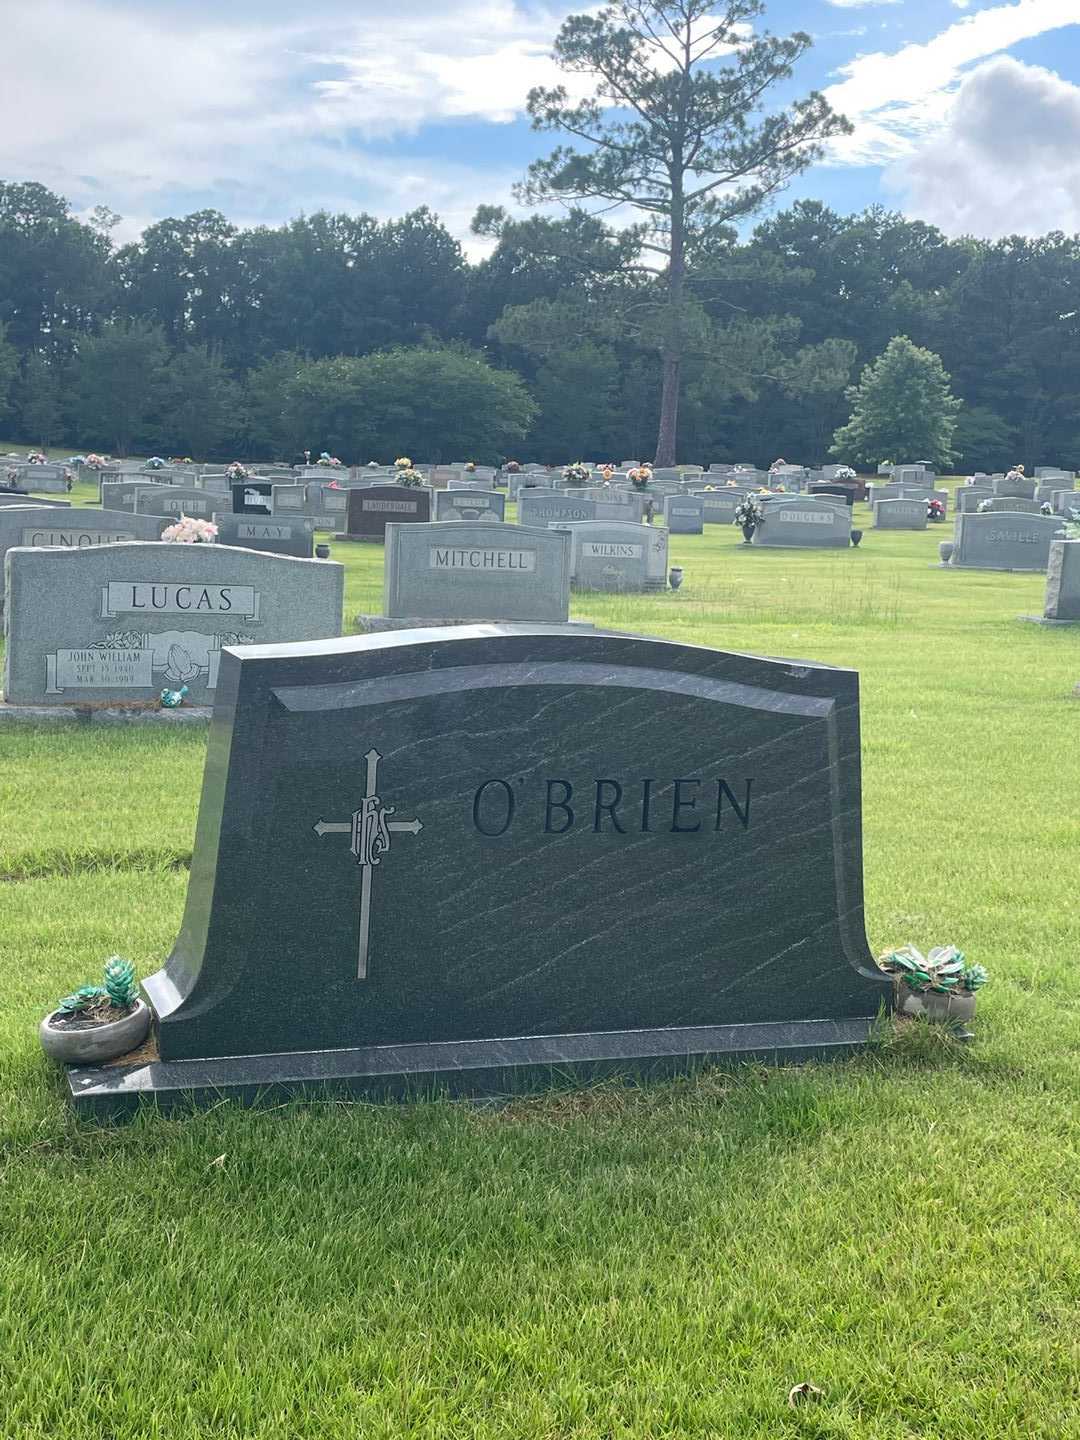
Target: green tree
[(268, 425), (902, 409), (818, 376), (983, 441), (9, 368), (674, 129), (198, 404), (119, 375), (575, 388), (440, 403), (39, 399)]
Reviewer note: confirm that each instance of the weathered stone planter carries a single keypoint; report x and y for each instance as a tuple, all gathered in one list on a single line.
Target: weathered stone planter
[(90, 1044), (938, 1008)]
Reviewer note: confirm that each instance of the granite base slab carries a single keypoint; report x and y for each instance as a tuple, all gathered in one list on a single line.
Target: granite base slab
[(377, 624), (108, 715), (1043, 620), (361, 539), (466, 1068)]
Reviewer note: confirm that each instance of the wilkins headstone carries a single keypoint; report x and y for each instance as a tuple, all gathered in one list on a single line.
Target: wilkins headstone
[(531, 850), (476, 570), (118, 623), (617, 555)]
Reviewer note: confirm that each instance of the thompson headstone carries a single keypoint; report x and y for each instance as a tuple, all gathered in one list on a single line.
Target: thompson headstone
[(476, 570), (476, 829)]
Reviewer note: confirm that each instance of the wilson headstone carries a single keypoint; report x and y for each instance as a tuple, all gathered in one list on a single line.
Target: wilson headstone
[(533, 850)]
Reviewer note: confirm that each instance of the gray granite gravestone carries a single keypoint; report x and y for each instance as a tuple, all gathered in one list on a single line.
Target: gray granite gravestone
[(969, 497), (372, 507), (476, 570), (900, 515), (1005, 541), (42, 527), (470, 482), (121, 622), (1066, 501), (15, 497), (469, 504), (475, 810), (289, 501), (177, 500), (555, 509), (120, 494), (618, 555), (683, 514), (1063, 582), (326, 506), (804, 521), (276, 535), (718, 506), (1019, 487), (1013, 505)]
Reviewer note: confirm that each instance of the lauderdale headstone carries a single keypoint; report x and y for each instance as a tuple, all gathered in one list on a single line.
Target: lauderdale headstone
[(620, 556), (804, 521), (476, 570), (468, 806), (274, 534), (900, 515), (469, 504), (120, 622), (1004, 541), (683, 514), (373, 507)]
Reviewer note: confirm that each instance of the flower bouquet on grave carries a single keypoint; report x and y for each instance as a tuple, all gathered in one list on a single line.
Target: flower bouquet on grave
[(94, 461), (470, 467), (748, 516), (935, 510), (402, 463), (607, 474), (512, 467), (329, 462), (940, 986), (577, 474), (410, 477), (985, 505), (98, 1022), (1046, 508), (236, 471), (189, 531), (155, 463), (640, 476)]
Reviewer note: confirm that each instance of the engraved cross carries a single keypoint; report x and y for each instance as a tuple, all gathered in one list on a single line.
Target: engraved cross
[(369, 829)]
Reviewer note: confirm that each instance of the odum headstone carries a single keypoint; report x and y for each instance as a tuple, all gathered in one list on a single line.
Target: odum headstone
[(493, 852), (476, 570), (121, 622)]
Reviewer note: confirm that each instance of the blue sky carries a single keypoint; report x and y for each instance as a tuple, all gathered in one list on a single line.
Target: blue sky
[(966, 112)]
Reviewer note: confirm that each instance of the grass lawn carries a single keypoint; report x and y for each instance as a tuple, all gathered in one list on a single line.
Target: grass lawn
[(901, 1229)]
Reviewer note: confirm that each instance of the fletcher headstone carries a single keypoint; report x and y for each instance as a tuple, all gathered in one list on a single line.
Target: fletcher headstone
[(470, 504), (900, 515), (467, 813), (274, 534), (1005, 541), (476, 570), (121, 622), (373, 507), (683, 514), (804, 521)]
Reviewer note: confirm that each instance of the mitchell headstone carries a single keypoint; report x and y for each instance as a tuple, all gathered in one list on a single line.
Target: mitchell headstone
[(900, 515), (530, 850), (476, 570), (684, 514), (119, 623), (371, 508), (469, 504), (1005, 540), (274, 533), (804, 521)]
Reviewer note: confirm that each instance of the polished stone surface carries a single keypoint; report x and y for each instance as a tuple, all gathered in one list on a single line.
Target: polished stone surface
[(372, 507), (476, 570), (481, 835)]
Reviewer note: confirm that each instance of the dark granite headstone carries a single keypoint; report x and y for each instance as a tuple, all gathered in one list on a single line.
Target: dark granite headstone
[(252, 497), (432, 856), (373, 507)]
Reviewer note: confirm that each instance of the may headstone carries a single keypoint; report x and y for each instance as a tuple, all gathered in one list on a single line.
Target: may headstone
[(120, 622), (476, 570), (620, 556), (684, 514), (531, 851), (900, 515), (470, 504), (373, 507), (1005, 541), (804, 521), (273, 533)]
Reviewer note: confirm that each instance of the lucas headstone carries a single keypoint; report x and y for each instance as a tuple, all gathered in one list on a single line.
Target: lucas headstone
[(467, 805)]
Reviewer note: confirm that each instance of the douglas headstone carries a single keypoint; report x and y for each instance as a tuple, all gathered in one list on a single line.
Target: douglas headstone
[(532, 850), (805, 522)]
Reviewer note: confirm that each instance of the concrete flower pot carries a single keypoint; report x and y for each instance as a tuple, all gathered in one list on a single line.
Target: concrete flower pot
[(938, 1008), (90, 1044)]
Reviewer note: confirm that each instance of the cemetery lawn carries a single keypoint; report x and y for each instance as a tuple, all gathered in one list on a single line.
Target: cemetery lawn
[(901, 1229)]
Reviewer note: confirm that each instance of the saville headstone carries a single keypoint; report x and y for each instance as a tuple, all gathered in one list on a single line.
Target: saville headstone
[(1005, 540), (476, 570), (118, 623), (532, 850), (372, 507)]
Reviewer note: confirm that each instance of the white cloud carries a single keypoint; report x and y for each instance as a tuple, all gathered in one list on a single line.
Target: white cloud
[(1008, 159), (862, 4), (896, 101)]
